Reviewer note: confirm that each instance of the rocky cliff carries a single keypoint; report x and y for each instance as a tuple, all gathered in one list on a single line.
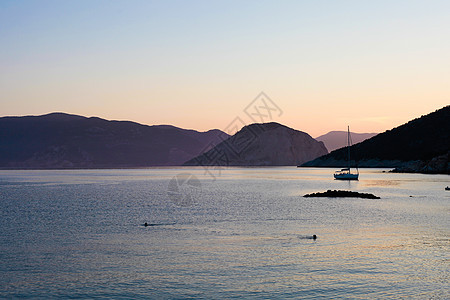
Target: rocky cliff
[(266, 144)]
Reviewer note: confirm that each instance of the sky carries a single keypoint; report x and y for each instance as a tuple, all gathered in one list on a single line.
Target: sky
[(372, 65)]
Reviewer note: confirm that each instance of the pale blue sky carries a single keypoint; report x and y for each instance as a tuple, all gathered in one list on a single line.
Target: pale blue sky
[(197, 64)]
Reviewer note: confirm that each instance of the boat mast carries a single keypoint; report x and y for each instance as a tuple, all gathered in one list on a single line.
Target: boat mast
[(348, 147)]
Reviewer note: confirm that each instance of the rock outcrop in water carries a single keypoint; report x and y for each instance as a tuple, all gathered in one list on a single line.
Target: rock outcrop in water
[(265, 144), (60, 140), (342, 194), (421, 145)]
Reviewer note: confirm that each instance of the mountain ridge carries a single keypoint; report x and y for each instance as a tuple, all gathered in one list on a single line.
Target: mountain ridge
[(337, 139), (59, 140)]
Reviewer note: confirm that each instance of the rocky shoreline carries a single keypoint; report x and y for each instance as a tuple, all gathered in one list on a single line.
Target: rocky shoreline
[(436, 165)]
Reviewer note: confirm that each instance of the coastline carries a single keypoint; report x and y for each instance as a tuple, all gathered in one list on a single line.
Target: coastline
[(436, 165)]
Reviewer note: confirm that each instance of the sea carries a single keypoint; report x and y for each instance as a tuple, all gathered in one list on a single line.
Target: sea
[(221, 233)]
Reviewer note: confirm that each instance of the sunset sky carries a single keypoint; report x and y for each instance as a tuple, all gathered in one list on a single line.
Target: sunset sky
[(372, 65)]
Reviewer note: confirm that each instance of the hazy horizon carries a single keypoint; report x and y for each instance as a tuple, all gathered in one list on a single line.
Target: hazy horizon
[(196, 64)]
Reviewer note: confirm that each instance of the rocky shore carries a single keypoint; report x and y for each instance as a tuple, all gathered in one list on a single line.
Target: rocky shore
[(437, 165)]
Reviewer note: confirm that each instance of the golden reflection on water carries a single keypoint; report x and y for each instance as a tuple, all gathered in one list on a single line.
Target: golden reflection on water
[(359, 254), (381, 183)]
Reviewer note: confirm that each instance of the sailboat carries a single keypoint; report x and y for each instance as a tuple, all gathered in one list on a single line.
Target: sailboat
[(346, 174)]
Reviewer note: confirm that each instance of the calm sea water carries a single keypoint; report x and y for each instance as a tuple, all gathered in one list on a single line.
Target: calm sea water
[(242, 233)]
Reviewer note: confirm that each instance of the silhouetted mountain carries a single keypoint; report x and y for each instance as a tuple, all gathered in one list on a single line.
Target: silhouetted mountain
[(266, 144), (337, 139), (421, 145), (60, 140)]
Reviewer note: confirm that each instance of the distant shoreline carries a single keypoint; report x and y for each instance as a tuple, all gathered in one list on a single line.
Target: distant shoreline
[(393, 167), (388, 169), (434, 166)]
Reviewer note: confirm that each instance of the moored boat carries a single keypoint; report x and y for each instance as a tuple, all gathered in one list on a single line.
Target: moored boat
[(346, 173)]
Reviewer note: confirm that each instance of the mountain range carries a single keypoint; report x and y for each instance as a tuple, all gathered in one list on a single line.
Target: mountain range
[(59, 140), (421, 145)]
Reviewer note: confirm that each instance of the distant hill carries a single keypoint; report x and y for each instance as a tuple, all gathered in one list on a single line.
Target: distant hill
[(337, 139), (265, 144), (59, 140), (421, 145)]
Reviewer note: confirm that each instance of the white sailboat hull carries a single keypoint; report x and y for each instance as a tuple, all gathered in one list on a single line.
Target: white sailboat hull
[(346, 176)]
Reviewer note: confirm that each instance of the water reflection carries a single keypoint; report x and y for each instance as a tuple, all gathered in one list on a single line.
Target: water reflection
[(381, 183), (247, 236)]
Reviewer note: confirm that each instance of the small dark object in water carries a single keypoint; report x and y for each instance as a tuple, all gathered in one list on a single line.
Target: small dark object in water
[(308, 237), (157, 224), (342, 194)]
